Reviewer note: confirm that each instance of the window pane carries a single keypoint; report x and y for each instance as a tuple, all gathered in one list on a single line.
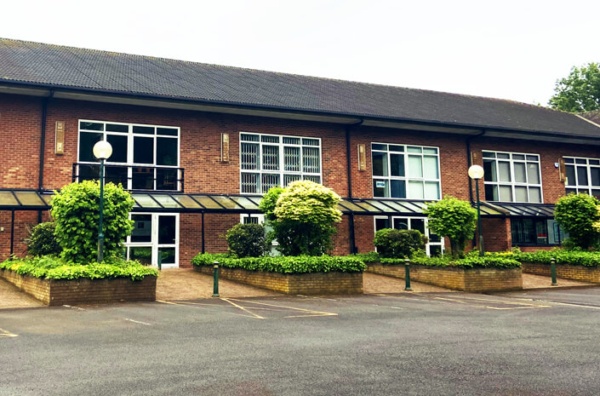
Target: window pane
[(504, 170), (249, 158), (491, 193), (117, 128), (533, 173), (397, 165), (249, 183), (86, 145), (91, 126), (570, 175), (432, 190), (380, 224), (595, 173), (489, 170), (520, 176), (142, 228), (430, 167), (314, 179), (142, 178), (143, 129), (250, 138), (167, 255), (397, 148), (505, 194), (269, 181), (166, 152), (487, 154), (380, 167), (270, 157), (535, 195), (414, 149), (596, 193), (291, 140), (287, 179), (503, 155), (541, 232), (580, 161), (166, 179), (398, 188), (582, 177), (311, 160), (415, 190), (89, 172), (119, 146), (418, 224), (381, 188), (415, 166), (291, 159), (521, 194), (529, 231), (166, 131), (569, 160), (518, 157), (435, 250), (310, 142), (166, 230), (379, 147), (143, 150), (116, 175), (401, 224), (430, 151), (142, 254), (270, 139), (250, 220)]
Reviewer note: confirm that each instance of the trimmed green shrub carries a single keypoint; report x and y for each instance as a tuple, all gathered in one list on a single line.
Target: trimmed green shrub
[(586, 259), (42, 241), (579, 215), (49, 267), (75, 209), (392, 243), (452, 218), (247, 240), (302, 217), (285, 265), (472, 260)]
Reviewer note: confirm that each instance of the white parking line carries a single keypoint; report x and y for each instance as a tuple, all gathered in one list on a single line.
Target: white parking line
[(6, 333), (137, 321)]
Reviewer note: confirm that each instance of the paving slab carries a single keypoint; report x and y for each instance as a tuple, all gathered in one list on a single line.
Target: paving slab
[(12, 297), (376, 284), (532, 282)]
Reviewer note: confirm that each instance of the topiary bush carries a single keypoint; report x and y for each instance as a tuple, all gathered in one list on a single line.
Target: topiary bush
[(302, 217), (42, 241), (75, 209), (579, 215), (392, 243), (247, 240), (452, 218)]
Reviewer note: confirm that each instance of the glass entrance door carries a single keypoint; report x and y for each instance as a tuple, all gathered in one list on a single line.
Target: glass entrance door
[(153, 236)]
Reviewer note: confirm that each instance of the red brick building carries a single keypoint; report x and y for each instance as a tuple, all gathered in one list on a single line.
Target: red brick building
[(199, 144)]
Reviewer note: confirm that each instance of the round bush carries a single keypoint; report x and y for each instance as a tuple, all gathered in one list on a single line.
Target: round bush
[(579, 215), (392, 243), (247, 240), (42, 241)]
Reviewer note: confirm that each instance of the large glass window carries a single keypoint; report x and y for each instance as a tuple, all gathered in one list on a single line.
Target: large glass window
[(512, 177), (583, 176), (401, 171), (536, 232), (270, 160), (435, 247), (145, 157), (154, 236)]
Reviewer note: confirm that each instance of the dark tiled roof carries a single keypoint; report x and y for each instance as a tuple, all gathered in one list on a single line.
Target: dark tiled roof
[(67, 67)]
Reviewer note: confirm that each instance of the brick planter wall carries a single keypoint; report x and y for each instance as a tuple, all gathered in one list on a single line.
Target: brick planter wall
[(475, 280), (83, 291), (308, 284), (574, 272)]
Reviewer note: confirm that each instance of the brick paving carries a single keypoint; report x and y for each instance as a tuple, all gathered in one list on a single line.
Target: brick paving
[(531, 281), (11, 297)]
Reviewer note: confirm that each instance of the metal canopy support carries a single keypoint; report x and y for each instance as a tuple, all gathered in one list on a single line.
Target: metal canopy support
[(12, 232), (203, 240)]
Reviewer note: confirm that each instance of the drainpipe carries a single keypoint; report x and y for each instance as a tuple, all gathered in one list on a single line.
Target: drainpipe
[(349, 172), (469, 162), (43, 145)]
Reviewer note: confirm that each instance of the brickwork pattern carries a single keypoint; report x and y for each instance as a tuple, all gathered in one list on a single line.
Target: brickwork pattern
[(306, 284), (496, 234), (574, 272)]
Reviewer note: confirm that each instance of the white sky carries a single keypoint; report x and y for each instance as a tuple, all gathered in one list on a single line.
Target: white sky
[(506, 49)]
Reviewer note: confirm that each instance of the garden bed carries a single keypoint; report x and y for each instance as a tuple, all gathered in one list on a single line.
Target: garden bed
[(290, 275), (575, 265)]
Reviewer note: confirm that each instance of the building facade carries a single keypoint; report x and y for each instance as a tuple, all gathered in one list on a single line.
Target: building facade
[(197, 164)]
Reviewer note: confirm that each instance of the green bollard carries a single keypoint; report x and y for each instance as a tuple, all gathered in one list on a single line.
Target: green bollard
[(407, 274), (216, 279), (159, 261), (553, 271)]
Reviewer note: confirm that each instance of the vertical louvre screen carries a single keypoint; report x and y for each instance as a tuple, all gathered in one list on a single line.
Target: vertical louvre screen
[(270, 157), (311, 160), (287, 179), (292, 159), (269, 181), (249, 154), (250, 183)]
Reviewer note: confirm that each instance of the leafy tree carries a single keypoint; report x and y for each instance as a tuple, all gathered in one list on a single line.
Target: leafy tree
[(579, 215), (42, 241), (75, 209), (452, 218), (580, 91), (247, 240), (392, 243), (302, 217)]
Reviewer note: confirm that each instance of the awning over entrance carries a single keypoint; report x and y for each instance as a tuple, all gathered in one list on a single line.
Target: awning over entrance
[(502, 209)]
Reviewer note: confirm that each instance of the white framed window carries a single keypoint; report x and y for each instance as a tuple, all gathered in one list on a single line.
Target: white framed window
[(512, 177), (404, 171), (583, 175), (435, 246), (268, 161), (154, 234), (145, 157)]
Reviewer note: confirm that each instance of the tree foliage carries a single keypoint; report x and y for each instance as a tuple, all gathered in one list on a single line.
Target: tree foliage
[(42, 241), (579, 215), (580, 91), (392, 243), (247, 240), (75, 209), (452, 218), (302, 217)]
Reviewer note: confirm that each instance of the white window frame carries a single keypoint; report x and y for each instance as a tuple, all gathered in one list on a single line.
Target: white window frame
[(581, 188), (409, 218), (281, 172), (512, 183), (406, 178), (153, 244), (130, 139)]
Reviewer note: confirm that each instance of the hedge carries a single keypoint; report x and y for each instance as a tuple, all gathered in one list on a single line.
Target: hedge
[(472, 260), (49, 267), (585, 259), (285, 265)]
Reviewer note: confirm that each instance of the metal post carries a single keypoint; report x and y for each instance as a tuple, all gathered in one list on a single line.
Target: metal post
[(203, 241), (159, 260), (216, 279), (407, 274), (481, 249), (12, 233), (553, 271), (100, 232)]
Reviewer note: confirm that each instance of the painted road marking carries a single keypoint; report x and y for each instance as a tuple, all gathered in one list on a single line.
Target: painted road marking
[(310, 312), (186, 303), (137, 321), (243, 309), (6, 333)]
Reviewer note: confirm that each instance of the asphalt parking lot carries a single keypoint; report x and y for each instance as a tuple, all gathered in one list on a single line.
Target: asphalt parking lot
[(531, 343)]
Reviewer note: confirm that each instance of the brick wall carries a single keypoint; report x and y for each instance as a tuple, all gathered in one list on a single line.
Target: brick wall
[(496, 234), (575, 272)]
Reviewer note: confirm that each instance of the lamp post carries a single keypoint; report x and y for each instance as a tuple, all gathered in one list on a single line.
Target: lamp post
[(102, 151), (476, 173)]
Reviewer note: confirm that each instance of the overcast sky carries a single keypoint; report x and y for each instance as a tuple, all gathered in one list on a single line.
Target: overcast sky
[(505, 49)]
